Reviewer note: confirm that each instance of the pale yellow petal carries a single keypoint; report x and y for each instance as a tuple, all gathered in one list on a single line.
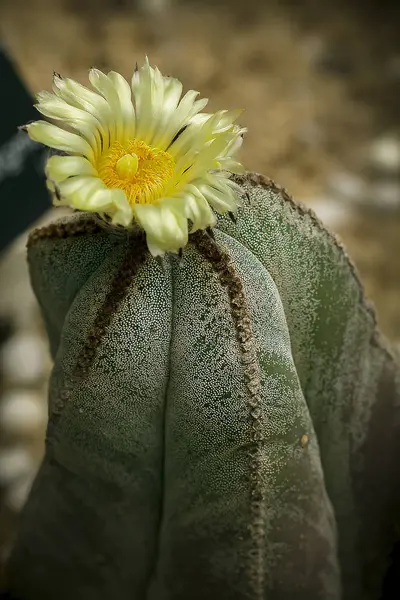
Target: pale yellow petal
[(193, 206), (220, 201), (195, 136), (99, 200), (206, 159), (81, 97), (154, 248), (123, 213), (106, 88), (176, 117), (127, 110), (226, 119), (172, 94), (82, 184), (56, 108), (229, 164), (166, 229), (82, 199), (224, 184), (180, 117), (53, 136), (45, 96), (106, 201), (59, 168), (149, 89), (86, 124), (235, 142), (142, 83)]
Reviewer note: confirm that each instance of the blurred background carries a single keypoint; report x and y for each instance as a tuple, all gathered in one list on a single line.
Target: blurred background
[(319, 82)]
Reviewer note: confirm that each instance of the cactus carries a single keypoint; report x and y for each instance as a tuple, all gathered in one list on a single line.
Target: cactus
[(221, 424)]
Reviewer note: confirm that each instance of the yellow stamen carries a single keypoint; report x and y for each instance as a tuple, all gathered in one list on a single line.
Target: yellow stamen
[(141, 171)]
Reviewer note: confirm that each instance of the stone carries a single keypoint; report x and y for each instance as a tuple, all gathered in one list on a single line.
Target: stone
[(15, 463), (385, 154), (385, 194), (23, 359), (22, 411), (348, 186), (16, 495)]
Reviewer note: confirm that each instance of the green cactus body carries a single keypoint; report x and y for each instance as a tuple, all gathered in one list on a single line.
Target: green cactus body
[(204, 439)]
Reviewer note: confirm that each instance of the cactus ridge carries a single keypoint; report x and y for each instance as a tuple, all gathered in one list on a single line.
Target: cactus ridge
[(229, 278)]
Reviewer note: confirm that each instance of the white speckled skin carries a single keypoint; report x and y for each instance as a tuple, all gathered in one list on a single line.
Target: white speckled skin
[(144, 491)]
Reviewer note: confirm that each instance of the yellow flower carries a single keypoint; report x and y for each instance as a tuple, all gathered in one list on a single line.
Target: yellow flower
[(140, 153)]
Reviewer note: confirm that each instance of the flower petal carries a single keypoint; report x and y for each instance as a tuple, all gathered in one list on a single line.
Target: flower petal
[(172, 93), (112, 202), (227, 118), (177, 117), (81, 185), (194, 137), (142, 87), (79, 96), (166, 229), (193, 205), (59, 168), (206, 159), (55, 108), (127, 110), (86, 124), (220, 201), (123, 214), (106, 88), (225, 185), (55, 137), (45, 96)]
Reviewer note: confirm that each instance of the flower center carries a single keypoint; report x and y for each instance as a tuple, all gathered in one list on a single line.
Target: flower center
[(140, 171), (127, 166)]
